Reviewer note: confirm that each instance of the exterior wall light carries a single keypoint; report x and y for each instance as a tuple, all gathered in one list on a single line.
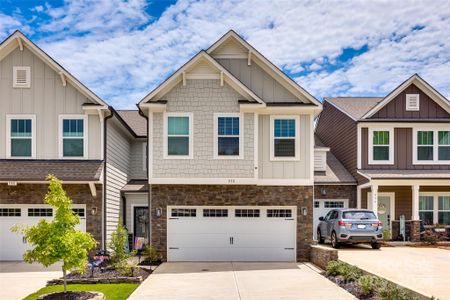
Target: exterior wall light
[(304, 211), (94, 211), (323, 191), (158, 212)]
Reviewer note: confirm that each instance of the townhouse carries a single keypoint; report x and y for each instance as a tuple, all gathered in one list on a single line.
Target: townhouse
[(398, 149)]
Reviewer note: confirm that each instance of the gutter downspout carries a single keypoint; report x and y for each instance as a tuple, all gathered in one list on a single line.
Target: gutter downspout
[(105, 146), (149, 184)]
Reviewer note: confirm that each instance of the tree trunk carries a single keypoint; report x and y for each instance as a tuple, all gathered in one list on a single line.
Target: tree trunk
[(65, 282)]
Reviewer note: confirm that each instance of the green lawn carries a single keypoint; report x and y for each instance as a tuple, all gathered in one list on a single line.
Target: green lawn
[(112, 291)]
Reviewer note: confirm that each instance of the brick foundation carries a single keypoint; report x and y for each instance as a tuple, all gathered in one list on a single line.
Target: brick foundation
[(79, 193), (415, 231), (336, 192), (231, 195), (321, 256)]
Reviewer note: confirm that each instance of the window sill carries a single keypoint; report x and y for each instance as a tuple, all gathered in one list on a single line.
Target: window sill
[(230, 157), (287, 159)]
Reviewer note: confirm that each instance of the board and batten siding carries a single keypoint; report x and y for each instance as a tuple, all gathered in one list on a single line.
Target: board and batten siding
[(203, 98), (138, 159), (47, 98), (299, 169), (259, 81), (403, 153), (118, 153), (339, 132)]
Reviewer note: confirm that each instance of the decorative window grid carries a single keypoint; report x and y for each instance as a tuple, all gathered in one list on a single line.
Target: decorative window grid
[(183, 212), (10, 212), (79, 211), (215, 213), (246, 213), (334, 204), (279, 213), (40, 212)]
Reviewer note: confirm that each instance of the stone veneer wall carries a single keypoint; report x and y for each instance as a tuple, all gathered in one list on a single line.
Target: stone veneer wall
[(79, 193), (337, 192), (233, 195), (322, 255)]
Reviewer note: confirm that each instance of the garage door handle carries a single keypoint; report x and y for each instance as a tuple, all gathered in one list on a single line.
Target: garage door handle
[(288, 248), (231, 240), (289, 219), (173, 248), (173, 218)]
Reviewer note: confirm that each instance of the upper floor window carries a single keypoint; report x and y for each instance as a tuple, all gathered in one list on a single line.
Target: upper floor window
[(431, 146), (178, 140), (21, 77), (381, 146), (228, 130), (73, 142), (20, 140), (284, 138)]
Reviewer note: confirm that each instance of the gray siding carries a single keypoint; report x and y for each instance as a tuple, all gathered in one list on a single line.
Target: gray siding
[(132, 201), (137, 169), (285, 169), (47, 98), (261, 83), (117, 169), (203, 98)]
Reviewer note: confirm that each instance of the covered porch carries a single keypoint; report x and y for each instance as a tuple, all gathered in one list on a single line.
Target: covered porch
[(423, 203)]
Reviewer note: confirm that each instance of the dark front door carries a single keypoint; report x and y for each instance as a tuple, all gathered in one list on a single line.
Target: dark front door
[(141, 221)]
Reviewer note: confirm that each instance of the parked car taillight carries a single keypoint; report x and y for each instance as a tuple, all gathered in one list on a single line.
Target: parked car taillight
[(378, 224), (346, 224)]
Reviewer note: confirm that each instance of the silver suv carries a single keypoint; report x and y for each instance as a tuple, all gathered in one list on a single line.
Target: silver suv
[(350, 226)]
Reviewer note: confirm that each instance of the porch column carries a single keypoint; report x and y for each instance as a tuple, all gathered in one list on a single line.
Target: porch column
[(358, 197), (415, 202), (374, 199)]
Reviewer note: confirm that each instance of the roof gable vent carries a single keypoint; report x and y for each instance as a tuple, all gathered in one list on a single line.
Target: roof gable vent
[(320, 160), (21, 77), (412, 102)]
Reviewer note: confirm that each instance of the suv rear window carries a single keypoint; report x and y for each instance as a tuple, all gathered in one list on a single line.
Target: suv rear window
[(358, 215)]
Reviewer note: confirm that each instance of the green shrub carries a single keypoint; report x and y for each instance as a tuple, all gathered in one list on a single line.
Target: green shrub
[(390, 291), (118, 243), (349, 272), (126, 267), (368, 284), (387, 235), (151, 253)]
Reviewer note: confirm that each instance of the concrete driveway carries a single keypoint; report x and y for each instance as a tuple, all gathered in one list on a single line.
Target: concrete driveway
[(237, 281), (19, 279), (425, 270)]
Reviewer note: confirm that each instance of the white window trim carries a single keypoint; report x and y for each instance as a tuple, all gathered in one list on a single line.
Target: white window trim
[(435, 160), (216, 136), (33, 135), (390, 161), (272, 138), (412, 108), (191, 135), (26, 85), (85, 136), (435, 196)]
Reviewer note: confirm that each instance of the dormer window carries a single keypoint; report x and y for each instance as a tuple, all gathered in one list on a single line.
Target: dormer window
[(412, 102), (21, 77)]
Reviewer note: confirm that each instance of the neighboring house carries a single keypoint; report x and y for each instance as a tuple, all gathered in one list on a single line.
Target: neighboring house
[(398, 148), (231, 152), (49, 123)]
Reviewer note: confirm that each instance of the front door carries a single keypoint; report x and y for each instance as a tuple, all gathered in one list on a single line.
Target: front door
[(141, 220), (384, 210)]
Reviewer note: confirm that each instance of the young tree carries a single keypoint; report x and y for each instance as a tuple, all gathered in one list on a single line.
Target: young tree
[(58, 240)]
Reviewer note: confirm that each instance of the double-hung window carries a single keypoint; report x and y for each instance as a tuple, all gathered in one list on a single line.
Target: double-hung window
[(434, 208), (73, 139), (431, 146), (381, 146), (21, 136), (228, 136), (178, 140), (285, 141)]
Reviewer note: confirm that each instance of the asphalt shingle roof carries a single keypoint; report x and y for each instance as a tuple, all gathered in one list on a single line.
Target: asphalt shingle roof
[(356, 107), (135, 121)]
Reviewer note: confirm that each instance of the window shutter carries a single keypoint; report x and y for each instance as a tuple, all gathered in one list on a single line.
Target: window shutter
[(21, 77), (412, 102)]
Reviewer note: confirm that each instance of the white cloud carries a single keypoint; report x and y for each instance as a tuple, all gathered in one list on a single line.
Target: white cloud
[(120, 51)]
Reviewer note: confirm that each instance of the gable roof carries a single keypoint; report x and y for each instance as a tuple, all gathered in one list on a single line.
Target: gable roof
[(177, 77), (282, 77), (136, 122), (354, 107), (421, 84), (18, 39)]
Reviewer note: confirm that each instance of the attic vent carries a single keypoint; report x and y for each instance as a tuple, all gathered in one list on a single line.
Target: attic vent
[(21, 77), (320, 160), (412, 102)]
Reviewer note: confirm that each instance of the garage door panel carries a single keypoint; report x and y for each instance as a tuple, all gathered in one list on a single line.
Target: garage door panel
[(203, 240), (262, 254), (199, 254)]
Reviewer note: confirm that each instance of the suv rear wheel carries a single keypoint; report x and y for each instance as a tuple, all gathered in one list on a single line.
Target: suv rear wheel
[(334, 242), (320, 237), (376, 245)]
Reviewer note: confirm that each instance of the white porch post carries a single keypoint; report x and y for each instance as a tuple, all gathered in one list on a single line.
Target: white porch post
[(415, 202), (358, 197), (374, 199)]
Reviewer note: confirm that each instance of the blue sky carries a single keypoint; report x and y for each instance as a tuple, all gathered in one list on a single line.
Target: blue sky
[(123, 49)]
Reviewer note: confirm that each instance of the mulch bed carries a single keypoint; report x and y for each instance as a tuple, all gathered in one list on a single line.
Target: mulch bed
[(149, 263), (351, 287), (107, 273), (69, 296)]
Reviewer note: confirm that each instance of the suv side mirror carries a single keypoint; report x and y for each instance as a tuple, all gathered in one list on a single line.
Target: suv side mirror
[(321, 218)]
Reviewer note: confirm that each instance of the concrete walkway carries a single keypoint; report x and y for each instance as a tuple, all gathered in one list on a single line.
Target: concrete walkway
[(425, 270), (18, 279), (237, 281)]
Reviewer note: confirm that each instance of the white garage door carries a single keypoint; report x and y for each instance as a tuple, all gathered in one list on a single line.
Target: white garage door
[(231, 233), (12, 245), (323, 206)]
